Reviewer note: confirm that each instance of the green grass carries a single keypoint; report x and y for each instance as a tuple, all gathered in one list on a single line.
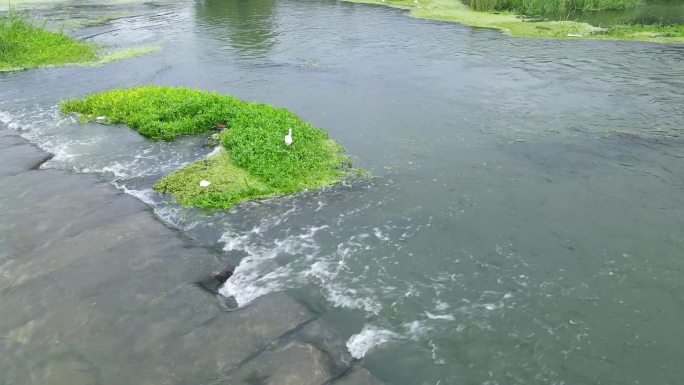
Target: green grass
[(256, 162), (24, 45), (513, 24), (545, 7), (158, 112), (649, 31), (229, 184)]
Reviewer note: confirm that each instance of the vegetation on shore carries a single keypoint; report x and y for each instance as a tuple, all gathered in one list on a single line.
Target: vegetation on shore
[(24, 45), (516, 25), (254, 161), (545, 7)]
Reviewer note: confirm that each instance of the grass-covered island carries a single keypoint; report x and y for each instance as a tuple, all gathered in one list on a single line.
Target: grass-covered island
[(254, 162), (526, 18), (25, 45)]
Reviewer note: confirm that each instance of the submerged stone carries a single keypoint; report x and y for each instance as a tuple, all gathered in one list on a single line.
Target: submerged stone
[(214, 282), (104, 293), (296, 363), (357, 376)]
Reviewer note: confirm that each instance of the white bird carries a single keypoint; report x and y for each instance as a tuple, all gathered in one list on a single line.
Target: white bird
[(204, 183), (288, 138)]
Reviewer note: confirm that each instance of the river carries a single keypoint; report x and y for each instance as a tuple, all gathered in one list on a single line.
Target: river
[(525, 222)]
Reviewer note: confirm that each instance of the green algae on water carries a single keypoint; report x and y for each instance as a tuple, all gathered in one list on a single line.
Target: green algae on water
[(253, 162)]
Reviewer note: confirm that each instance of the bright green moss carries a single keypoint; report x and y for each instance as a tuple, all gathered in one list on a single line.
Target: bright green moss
[(229, 184), (158, 112), (255, 161)]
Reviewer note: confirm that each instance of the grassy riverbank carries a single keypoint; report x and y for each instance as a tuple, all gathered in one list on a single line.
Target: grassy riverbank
[(25, 45), (545, 7), (254, 161), (515, 25)]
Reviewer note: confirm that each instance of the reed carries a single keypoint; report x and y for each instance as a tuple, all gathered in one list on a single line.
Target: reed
[(552, 7)]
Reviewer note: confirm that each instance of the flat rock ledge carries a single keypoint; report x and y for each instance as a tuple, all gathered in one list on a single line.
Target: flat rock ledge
[(95, 290)]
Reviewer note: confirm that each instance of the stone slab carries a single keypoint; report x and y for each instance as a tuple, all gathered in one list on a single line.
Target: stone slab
[(357, 376), (95, 290), (295, 363), (24, 156)]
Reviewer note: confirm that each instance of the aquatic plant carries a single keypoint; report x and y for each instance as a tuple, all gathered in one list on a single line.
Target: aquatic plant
[(25, 45), (254, 163)]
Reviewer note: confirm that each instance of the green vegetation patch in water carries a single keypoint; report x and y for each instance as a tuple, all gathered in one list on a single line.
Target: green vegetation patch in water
[(23, 45), (254, 162), (160, 113), (229, 184), (514, 24)]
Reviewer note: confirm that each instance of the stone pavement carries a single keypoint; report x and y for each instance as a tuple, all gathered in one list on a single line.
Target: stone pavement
[(95, 290)]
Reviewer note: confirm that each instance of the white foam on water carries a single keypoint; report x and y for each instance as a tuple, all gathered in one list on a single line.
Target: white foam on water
[(5, 117), (446, 317), (118, 169), (294, 261), (342, 296), (441, 305), (13, 121), (325, 273), (416, 330), (370, 336), (146, 195), (249, 281), (378, 233), (215, 151)]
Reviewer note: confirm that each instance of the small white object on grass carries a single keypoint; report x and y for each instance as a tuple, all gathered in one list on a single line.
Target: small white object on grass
[(573, 35), (204, 183), (288, 138), (101, 119)]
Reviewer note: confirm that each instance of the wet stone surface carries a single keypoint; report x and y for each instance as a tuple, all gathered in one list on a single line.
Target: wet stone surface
[(357, 376), (89, 277)]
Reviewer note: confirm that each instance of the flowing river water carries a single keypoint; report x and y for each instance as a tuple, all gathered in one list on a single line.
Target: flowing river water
[(525, 224)]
